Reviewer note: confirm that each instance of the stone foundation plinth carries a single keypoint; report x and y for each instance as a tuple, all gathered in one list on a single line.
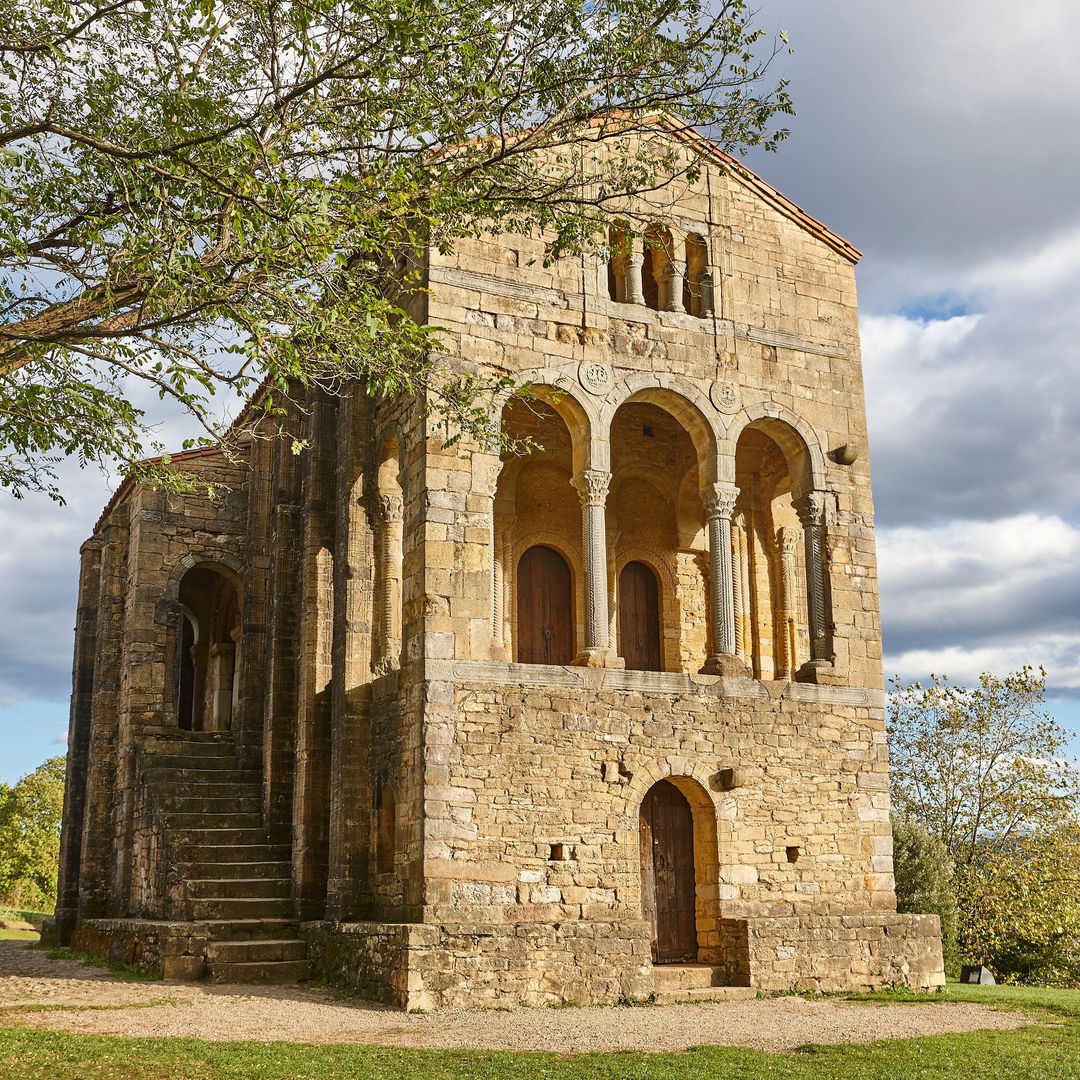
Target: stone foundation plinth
[(173, 950), (424, 966), (843, 952)]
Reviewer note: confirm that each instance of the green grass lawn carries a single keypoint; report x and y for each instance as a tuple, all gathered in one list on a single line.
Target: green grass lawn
[(1045, 1052), (18, 935)]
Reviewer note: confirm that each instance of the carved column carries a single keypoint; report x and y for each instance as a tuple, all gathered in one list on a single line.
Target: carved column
[(740, 574), (673, 285), (719, 502), (811, 510), (632, 265), (390, 507), (787, 542), (592, 487)]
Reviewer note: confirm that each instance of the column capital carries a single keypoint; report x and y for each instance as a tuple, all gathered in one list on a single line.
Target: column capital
[(592, 486), (811, 508), (719, 500), (390, 506), (787, 540)]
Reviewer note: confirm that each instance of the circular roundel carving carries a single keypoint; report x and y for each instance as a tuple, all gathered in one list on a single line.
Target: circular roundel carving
[(725, 396), (596, 377)]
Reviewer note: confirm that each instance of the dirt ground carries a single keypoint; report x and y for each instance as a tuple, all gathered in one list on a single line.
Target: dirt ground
[(85, 999)]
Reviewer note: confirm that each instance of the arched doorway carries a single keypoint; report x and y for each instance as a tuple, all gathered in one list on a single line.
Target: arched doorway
[(207, 643), (668, 893), (545, 630), (639, 618)]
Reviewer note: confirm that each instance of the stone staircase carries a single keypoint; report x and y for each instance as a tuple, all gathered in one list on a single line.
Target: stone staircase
[(235, 881), (695, 982)]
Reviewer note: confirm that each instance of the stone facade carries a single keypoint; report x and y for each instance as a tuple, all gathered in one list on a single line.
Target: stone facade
[(404, 705)]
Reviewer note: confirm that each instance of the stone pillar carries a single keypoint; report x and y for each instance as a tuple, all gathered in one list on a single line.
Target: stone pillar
[(708, 300), (592, 487), (632, 264), (719, 502), (787, 541), (391, 509), (811, 510), (674, 274), (740, 576)]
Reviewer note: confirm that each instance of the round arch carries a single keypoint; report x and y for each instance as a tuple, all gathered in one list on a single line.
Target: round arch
[(228, 566), (795, 437), (578, 414), (680, 399)]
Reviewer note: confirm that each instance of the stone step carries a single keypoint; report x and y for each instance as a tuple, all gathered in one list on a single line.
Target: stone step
[(241, 907), (249, 929), (236, 803), (266, 888), (705, 993), (686, 976), (218, 837), (228, 819), (207, 762), (224, 787), (239, 853), (191, 748), (246, 952), (265, 971), (195, 870), (164, 776)]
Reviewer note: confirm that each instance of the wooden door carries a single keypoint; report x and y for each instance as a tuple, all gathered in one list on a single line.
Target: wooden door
[(545, 608), (667, 874), (639, 618)]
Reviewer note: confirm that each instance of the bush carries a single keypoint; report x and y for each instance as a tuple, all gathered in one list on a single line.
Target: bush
[(924, 882)]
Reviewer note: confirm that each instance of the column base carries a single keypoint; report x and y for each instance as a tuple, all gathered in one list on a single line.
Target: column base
[(599, 658), (821, 672), (727, 665)]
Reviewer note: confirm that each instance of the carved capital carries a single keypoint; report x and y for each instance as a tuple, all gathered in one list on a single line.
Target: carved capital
[(811, 508), (719, 500), (390, 506), (787, 541), (592, 486)]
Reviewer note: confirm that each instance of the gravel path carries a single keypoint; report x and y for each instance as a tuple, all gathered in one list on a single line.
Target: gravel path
[(153, 1009)]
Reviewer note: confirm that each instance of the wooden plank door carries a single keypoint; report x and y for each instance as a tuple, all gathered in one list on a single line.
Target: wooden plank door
[(545, 621), (639, 618), (668, 897)]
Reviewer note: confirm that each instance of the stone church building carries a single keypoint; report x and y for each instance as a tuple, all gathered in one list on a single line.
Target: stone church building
[(453, 728)]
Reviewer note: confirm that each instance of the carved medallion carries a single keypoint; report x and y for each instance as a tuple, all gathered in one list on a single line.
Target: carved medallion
[(725, 396), (596, 377)]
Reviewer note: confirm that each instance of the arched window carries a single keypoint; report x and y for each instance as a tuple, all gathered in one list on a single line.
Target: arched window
[(386, 824), (618, 248), (656, 269), (545, 629), (208, 639), (639, 618), (697, 286)]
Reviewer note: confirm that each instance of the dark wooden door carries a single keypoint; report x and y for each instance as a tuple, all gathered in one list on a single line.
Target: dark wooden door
[(545, 608), (639, 618), (667, 874)]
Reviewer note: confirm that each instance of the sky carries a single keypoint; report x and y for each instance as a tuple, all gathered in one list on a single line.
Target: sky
[(943, 139)]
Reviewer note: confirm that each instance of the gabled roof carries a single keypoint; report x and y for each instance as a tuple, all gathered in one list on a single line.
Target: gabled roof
[(764, 190)]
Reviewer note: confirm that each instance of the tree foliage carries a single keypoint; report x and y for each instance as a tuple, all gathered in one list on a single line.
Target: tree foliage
[(1021, 908), (208, 194), (979, 767), (30, 813), (923, 869), (985, 771)]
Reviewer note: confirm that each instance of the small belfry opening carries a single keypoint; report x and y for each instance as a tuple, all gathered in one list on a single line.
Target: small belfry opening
[(697, 284), (656, 541), (769, 569), (537, 538), (207, 644)]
